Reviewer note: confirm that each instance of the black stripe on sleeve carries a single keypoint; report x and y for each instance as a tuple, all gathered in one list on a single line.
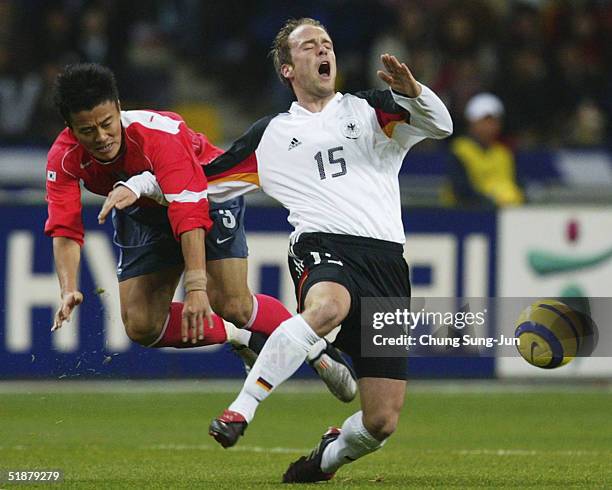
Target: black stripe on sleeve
[(240, 149), (381, 99)]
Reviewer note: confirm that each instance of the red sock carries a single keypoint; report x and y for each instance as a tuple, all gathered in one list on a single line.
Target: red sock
[(171, 335), (268, 313)]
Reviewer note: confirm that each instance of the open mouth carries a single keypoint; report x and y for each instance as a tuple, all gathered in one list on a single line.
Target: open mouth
[(105, 148), (325, 69)]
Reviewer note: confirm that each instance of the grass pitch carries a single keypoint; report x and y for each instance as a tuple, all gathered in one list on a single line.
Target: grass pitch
[(156, 439)]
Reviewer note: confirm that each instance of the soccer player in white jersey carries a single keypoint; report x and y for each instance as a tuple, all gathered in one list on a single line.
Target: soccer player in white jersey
[(333, 161)]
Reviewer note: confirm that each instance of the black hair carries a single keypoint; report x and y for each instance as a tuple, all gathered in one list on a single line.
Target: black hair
[(83, 86)]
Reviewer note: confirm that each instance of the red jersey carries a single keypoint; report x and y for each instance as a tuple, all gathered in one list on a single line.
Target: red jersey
[(158, 142)]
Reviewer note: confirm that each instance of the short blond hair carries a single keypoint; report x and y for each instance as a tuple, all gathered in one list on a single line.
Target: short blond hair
[(280, 51)]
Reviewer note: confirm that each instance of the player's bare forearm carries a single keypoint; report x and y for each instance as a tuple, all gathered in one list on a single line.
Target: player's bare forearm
[(192, 246), (197, 305), (67, 255)]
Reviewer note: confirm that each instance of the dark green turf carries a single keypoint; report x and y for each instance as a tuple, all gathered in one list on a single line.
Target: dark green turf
[(444, 440)]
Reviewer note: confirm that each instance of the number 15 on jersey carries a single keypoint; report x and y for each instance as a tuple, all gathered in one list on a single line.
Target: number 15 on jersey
[(333, 158)]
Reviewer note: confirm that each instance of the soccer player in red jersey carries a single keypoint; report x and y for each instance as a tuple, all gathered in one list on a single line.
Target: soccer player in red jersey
[(103, 146)]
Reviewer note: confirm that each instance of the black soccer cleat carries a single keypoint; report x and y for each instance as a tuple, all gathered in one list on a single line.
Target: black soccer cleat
[(307, 469), (336, 373), (227, 428), (247, 355)]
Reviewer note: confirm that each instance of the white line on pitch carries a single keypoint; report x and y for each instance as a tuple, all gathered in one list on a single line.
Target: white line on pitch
[(518, 452), (206, 447)]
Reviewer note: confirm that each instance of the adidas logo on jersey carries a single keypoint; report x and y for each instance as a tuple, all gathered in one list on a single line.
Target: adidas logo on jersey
[(294, 143)]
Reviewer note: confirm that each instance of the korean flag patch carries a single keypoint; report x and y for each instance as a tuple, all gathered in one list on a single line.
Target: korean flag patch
[(51, 175)]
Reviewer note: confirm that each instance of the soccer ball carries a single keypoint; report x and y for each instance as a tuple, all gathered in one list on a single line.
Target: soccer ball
[(551, 334)]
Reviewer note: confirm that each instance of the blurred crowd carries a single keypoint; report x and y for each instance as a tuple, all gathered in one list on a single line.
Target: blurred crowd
[(548, 60)]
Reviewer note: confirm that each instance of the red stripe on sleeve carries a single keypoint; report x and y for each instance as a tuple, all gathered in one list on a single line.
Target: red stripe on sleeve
[(385, 118)]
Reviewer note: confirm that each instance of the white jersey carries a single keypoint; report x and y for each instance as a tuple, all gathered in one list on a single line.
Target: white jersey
[(336, 171)]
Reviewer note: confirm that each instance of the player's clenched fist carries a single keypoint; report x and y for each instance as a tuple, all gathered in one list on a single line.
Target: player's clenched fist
[(120, 197), (69, 302)]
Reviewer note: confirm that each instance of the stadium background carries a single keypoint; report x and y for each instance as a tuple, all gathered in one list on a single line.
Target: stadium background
[(113, 415), (549, 61)]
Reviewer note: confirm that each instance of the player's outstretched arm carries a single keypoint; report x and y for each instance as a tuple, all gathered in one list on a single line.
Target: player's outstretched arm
[(429, 118), (398, 76), (67, 255)]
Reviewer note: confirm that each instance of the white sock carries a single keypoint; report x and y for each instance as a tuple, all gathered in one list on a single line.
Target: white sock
[(354, 442), (283, 353), (235, 335), (316, 349)]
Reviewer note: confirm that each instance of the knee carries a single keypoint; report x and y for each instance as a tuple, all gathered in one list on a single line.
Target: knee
[(381, 424), (324, 314), (234, 309), (139, 327)]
